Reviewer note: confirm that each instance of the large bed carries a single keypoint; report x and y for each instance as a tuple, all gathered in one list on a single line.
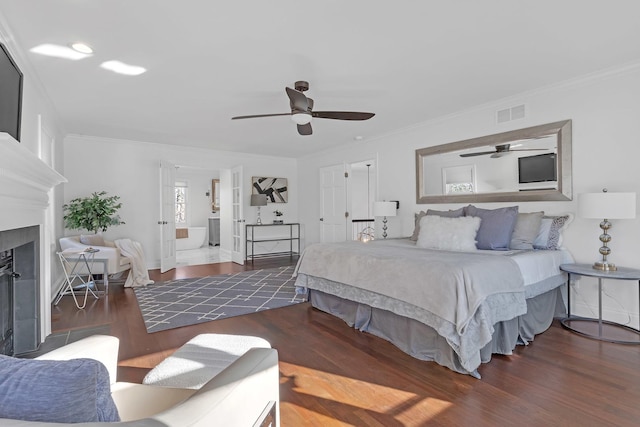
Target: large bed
[(456, 308)]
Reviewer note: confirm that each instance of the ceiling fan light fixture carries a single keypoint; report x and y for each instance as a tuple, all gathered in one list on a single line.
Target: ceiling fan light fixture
[(301, 118)]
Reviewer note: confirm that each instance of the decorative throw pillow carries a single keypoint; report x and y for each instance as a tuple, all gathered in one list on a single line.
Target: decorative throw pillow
[(496, 227), (449, 234), (416, 228), (449, 214), (550, 234), (92, 239), (526, 230), (69, 391)]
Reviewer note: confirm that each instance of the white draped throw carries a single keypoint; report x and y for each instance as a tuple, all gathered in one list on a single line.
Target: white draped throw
[(139, 275)]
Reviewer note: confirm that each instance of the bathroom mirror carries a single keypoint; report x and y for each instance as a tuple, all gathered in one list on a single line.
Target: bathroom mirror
[(215, 195), (531, 164)]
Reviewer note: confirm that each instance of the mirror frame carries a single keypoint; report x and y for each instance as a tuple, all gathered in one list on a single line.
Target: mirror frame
[(561, 129), (214, 207)]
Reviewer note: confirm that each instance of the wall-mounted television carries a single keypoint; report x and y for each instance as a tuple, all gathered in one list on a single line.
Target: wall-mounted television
[(10, 94), (540, 168)]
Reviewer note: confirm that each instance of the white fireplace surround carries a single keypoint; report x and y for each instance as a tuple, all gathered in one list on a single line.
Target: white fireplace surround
[(25, 191)]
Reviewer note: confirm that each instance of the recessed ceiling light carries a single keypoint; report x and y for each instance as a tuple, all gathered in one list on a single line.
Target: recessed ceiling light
[(82, 48), (122, 68), (58, 51), (357, 138)]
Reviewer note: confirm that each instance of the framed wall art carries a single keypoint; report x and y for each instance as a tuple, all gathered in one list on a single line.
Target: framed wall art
[(275, 188)]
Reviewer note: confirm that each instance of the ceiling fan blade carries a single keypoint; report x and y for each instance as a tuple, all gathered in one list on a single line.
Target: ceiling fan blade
[(481, 153), (260, 115), (342, 115), (305, 129), (298, 100)]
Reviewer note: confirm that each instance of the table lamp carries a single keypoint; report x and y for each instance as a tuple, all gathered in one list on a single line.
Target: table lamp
[(384, 209), (606, 206), (258, 200)]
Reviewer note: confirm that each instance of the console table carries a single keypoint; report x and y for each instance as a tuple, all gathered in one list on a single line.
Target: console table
[(253, 237), (621, 273)]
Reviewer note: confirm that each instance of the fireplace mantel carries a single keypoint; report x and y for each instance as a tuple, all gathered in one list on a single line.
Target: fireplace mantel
[(25, 181)]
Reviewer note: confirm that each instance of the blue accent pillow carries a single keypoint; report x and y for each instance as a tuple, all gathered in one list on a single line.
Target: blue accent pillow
[(496, 226), (70, 391)]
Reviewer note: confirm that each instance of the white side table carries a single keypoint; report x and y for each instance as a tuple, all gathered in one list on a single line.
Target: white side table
[(77, 266), (572, 323)]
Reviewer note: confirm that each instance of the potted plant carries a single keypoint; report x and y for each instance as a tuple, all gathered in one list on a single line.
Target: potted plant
[(278, 215), (94, 213)]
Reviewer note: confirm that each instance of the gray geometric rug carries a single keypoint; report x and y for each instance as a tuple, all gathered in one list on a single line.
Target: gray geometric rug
[(176, 303)]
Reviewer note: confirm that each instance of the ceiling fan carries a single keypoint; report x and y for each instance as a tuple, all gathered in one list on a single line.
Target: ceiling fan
[(302, 110), (500, 151)]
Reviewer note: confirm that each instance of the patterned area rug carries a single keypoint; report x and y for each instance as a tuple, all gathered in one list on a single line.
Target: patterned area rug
[(176, 303)]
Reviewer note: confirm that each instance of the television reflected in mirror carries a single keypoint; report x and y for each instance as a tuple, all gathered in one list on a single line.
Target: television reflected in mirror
[(10, 94), (529, 164)]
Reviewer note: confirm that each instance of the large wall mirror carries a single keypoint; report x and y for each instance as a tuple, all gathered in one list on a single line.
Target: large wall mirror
[(531, 164)]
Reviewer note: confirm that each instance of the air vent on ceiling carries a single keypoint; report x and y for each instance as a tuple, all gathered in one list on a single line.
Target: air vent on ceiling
[(509, 114)]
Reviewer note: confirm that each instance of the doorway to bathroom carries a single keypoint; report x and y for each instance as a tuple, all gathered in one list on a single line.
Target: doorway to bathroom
[(198, 212)]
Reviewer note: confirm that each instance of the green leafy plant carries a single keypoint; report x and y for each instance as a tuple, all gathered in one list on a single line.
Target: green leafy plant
[(94, 213), (278, 213)]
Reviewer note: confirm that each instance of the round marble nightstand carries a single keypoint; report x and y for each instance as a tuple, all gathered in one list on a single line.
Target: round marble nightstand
[(605, 327)]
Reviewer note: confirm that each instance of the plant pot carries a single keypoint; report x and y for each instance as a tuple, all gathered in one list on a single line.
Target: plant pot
[(278, 221)]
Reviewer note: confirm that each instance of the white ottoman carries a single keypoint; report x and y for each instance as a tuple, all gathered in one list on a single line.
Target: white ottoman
[(200, 359)]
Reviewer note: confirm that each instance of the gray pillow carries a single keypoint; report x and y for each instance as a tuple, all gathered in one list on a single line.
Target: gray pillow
[(526, 230), (496, 227), (69, 391), (449, 214)]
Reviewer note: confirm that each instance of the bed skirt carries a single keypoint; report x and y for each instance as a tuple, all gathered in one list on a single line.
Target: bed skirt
[(423, 342)]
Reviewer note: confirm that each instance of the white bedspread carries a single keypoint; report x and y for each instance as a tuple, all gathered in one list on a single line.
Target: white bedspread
[(450, 285)]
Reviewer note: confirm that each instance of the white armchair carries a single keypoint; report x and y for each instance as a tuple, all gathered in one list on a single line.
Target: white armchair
[(116, 262), (237, 396)]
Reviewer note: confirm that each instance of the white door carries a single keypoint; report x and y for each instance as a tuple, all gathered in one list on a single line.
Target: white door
[(237, 202), (333, 204), (167, 220)]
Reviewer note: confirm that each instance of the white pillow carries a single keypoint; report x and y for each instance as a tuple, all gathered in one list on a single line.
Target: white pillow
[(449, 234), (92, 239)]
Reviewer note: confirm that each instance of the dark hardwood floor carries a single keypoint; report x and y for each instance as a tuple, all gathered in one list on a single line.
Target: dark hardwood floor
[(332, 374)]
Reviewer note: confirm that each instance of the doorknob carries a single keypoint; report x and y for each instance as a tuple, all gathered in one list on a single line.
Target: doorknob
[(321, 219)]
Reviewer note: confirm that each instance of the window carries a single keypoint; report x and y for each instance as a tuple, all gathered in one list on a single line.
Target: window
[(181, 203)]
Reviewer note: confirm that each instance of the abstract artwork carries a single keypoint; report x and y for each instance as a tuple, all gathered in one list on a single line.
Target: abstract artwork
[(274, 188)]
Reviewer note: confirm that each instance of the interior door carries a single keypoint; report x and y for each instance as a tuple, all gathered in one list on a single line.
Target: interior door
[(237, 198), (167, 220), (333, 204)]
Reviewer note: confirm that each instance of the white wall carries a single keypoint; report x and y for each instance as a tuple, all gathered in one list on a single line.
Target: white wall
[(606, 148), (130, 170)]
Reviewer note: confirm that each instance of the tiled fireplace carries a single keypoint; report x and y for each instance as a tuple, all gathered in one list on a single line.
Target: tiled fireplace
[(25, 268)]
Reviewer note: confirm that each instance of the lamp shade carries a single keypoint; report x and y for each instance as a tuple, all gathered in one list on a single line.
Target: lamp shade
[(607, 205), (258, 200), (384, 209)]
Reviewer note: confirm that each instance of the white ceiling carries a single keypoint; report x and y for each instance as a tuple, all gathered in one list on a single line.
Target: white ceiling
[(208, 60)]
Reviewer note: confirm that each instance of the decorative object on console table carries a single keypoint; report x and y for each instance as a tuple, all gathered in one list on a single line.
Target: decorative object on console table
[(606, 206), (278, 214), (258, 200), (384, 209), (275, 189)]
